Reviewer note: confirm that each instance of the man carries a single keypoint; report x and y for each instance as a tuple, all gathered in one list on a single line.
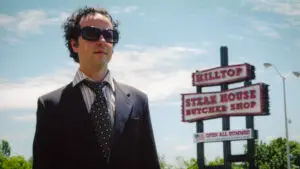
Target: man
[(94, 122)]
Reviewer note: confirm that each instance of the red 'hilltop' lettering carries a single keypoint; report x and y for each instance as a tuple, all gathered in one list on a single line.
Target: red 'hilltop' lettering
[(219, 74)]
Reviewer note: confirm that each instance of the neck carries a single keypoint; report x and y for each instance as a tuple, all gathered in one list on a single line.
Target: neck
[(94, 74)]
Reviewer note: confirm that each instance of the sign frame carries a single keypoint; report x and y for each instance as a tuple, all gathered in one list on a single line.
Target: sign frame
[(224, 135), (264, 106), (250, 75)]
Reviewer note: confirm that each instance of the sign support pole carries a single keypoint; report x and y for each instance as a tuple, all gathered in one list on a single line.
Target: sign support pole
[(251, 142), (225, 120), (200, 146)]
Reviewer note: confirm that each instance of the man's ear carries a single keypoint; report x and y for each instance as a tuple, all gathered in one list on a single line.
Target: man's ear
[(74, 45)]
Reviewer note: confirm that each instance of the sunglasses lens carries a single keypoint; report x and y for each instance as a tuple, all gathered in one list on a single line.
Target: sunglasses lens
[(91, 34), (108, 35)]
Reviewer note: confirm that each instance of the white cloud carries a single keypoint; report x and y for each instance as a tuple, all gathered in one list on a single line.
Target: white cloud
[(129, 9), (293, 22), (12, 40), (29, 21), (270, 138), (16, 136), (145, 58), (24, 94), (5, 19), (24, 118), (266, 29), (285, 7), (235, 37), (154, 70), (182, 148), (132, 46), (206, 43), (144, 65), (158, 85), (172, 103), (296, 138), (126, 9), (166, 139), (288, 8), (153, 19)]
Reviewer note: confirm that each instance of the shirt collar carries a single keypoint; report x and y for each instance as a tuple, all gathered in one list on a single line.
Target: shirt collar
[(80, 76)]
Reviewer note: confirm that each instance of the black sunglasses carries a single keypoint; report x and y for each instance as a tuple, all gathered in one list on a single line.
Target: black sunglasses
[(93, 34)]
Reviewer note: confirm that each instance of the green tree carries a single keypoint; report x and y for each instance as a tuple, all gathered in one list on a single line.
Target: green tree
[(5, 148), (12, 162), (273, 155), (217, 161), (2, 160), (30, 161), (220, 161), (191, 164), (16, 162), (4, 152), (163, 164)]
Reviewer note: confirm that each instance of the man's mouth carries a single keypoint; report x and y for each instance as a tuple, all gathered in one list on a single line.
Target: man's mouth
[(100, 52)]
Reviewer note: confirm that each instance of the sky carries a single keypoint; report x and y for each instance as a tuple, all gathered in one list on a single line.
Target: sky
[(162, 43)]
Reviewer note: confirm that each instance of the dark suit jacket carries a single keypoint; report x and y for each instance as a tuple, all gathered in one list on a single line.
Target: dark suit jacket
[(64, 137)]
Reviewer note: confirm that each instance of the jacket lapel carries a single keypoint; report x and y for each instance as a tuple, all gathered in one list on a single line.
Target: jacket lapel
[(123, 110), (79, 103), (79, 112)]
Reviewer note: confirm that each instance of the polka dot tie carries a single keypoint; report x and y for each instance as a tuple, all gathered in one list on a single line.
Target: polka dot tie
[(100, 117)]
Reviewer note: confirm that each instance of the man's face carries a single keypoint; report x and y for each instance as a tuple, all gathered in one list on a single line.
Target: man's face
[(98, 53)]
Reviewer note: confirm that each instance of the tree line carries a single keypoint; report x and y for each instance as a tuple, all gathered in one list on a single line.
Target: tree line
[(270, 155), (12, 162)]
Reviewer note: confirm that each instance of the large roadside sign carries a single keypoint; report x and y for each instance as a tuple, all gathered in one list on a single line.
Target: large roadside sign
[(241, 101)]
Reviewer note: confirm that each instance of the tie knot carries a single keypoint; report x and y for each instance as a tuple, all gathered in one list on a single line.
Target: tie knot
[(95, 86)]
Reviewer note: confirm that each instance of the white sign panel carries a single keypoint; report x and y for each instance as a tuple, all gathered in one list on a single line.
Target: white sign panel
[(229, 135), (235, 102), (221, 75)]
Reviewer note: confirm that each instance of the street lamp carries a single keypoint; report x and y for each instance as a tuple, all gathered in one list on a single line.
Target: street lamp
[(297, 74)]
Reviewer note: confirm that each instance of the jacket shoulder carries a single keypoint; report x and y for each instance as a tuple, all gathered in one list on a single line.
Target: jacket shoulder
[(55, 95), (134, 92)]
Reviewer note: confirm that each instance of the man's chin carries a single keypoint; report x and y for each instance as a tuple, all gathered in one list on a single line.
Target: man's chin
[(102, 62), (100, 57)]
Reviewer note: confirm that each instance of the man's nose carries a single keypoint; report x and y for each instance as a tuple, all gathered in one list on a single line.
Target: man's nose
[(101, 38)]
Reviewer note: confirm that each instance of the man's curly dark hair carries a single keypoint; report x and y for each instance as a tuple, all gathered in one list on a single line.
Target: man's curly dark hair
[(72, 26)]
